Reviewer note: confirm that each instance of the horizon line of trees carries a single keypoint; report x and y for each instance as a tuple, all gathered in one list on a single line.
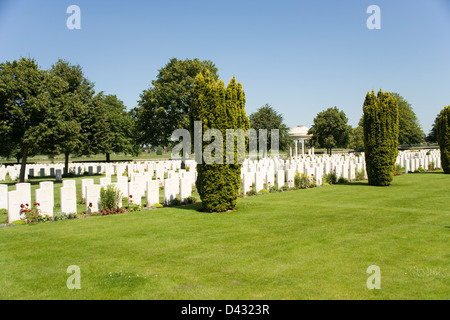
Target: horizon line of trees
[(58, 111)]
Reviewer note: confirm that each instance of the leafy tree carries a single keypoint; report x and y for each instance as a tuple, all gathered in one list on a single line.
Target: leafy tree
[(330, 129), (410, 131), (381, 127), (267, 118), (165, 106), (357, 138), (443, 137), (73, 107), (219, 108), (115, 128), (432, 135), (26, 97)]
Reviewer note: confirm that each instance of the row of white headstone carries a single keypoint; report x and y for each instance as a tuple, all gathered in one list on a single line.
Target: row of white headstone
[(270, 172), (118, 168), (141, 185), (15, 200), (145, 178)]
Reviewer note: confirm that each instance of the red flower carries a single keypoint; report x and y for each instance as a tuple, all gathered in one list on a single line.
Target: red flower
[(22, 206), (131, 196), (90, 204), (27, 204)]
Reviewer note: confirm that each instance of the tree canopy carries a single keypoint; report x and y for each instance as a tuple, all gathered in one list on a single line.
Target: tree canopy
[(165, 106), (410, 131), (266, 117), (26, 100), (330, 129)]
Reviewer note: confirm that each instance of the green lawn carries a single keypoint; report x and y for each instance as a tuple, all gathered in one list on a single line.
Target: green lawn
[(305, 244)]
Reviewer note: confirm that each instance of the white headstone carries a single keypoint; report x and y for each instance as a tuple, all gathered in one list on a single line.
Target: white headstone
[(15, 199), (152, 192), (134, 190), (247, 182), (25, 190), (48, 187), (93, 198), (170, 190), (270, 179), (280, 179), (259, 183), (68, 197), (84, 184), (69, 183), (45, 200), (185, 188), (4, 196)]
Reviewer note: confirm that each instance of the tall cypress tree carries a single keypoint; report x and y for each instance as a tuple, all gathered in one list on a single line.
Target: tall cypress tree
[(221, 109), (443, 137), (380, 122)]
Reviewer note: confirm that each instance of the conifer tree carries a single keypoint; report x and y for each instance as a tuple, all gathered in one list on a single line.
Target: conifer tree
[(381, 129), (443, 137), (219, 109)]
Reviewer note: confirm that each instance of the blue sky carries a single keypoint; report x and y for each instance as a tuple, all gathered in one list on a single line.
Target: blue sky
[(301, 57)]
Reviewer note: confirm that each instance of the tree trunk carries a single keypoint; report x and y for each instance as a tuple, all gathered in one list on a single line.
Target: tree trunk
[(23, 165), (108, 157), (66, 163)]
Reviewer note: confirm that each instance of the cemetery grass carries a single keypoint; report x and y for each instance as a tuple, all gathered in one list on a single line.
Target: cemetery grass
[(305, 244)]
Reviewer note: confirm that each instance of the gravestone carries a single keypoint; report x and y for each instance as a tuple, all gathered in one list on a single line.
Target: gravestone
[(93, 198), (105, 181), (247, 182), (58, 175), (270, 179), (170, 190), (25, 191), (48, 187), (134, 190), (90, 170), (69, 183), (290, 177), (122, 185), (259, 182), (152, 192), (45, 200), (185, 189), (280, 179), (68, 199), (15, 199), (4, 196), (84, 184)]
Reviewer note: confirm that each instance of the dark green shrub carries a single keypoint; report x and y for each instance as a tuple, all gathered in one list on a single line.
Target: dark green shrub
[(380, 122), (110, 197), (175, 202), (359, 175), (273, 189), (218, 108), (330, 178), (191, 199), (443, 137), (342, 180), (159, 151)]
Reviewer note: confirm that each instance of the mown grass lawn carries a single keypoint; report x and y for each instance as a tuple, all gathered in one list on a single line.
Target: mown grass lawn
[(305, 244)]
